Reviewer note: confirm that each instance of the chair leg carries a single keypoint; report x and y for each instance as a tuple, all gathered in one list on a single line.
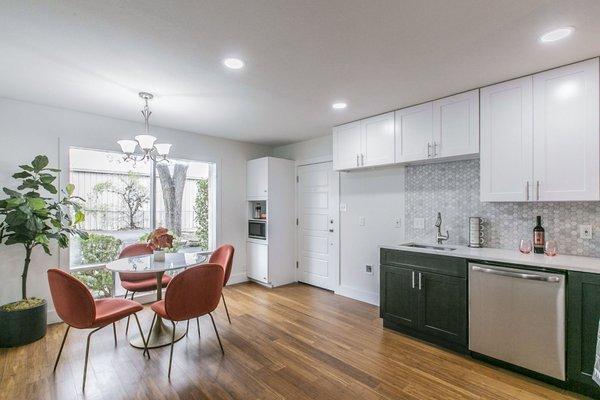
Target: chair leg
[(61, 347), (142, 335), (198, 325), (126, 293), (87, 353), (225, 304), (115, 333), (187, 327), (172, 345), (146, 350), (128, 317), (217, 332)]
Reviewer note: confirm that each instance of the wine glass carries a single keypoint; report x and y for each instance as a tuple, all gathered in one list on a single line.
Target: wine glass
[(525, 246), (551, 248)]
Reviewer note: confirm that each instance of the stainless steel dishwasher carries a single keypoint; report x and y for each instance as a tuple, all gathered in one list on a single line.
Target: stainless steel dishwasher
[(518, 316)]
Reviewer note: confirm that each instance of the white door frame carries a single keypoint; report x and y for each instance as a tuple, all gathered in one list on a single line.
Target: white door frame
[(336, 259)]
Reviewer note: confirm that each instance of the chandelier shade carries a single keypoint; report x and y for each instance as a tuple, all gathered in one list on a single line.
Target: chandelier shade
[(146, 142), (127, 146), (162, 148)]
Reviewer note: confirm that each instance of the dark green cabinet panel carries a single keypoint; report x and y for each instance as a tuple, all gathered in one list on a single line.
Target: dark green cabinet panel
[(583, 315), (398, 301), (443, 306)]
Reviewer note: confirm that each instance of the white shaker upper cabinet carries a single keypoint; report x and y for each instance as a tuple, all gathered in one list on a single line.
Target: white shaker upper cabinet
[(257, 179), (456, 125), (347, 146), (565, 132), (507, 141), (377, 140), (414, 133)]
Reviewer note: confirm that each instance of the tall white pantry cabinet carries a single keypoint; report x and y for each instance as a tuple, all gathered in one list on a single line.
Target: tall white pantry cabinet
[(271, 261)]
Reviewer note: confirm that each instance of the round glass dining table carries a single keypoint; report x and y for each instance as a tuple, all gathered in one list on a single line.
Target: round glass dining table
[(160, 335)]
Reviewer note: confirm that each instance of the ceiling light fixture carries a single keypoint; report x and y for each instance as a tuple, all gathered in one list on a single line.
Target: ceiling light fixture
[(556, 34), (233, 63), (154, 151), (340, 105)]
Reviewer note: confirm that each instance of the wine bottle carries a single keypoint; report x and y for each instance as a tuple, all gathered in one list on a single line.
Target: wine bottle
[(538, 237)]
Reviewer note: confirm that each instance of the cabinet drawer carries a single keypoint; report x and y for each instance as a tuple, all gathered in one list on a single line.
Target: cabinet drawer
[(444, 265)]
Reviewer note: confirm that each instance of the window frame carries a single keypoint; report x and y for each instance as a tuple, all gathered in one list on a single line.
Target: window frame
[(214, 199)]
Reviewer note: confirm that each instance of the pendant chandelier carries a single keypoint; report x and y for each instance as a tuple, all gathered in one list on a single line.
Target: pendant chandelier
[(150, 150)]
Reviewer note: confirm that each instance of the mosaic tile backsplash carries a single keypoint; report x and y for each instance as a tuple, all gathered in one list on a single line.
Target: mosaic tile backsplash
[(453, 189)]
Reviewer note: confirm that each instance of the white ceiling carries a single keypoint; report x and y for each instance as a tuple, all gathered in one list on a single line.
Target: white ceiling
[(300, 55)]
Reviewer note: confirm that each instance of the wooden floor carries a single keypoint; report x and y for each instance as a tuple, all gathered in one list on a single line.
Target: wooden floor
[(293, 342)]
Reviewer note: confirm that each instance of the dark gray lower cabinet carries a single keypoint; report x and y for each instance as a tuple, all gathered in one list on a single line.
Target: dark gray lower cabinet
[(583, 316), (425, 296)]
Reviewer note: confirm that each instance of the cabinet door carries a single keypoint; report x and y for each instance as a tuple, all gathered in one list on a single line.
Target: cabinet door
[(583, 315), (507, 141), (346, 146), (398, 295), (443, 306), (565, 133), (414, 133), (377, 140), (257, 178), (456, 125), (257, 261)]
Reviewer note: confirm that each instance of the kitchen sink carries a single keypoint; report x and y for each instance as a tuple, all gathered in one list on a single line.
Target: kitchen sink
[(428, 246)]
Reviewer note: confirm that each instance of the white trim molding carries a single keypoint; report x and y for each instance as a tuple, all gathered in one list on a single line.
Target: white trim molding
[(357, 294)]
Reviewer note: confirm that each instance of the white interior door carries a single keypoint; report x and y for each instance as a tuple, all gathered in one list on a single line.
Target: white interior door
[(317, 231)]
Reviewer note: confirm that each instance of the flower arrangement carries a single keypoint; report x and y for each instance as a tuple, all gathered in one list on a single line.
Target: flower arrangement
[(160, 240)]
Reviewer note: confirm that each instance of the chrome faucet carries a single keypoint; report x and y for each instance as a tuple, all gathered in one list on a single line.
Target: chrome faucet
[(438, 224)]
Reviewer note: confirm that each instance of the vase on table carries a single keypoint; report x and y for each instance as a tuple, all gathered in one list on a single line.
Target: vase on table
[(159, 255)]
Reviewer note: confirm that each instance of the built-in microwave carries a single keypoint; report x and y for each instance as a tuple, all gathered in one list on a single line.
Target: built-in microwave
[(257, 229)]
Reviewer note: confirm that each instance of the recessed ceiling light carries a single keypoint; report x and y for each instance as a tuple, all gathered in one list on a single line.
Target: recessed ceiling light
[(556, 34), (233, 63), (340, 105)]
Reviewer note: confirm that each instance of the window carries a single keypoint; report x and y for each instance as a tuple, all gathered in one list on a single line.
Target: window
[(120, 208)]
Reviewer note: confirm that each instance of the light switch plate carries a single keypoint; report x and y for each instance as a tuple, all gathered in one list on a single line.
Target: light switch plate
[(585, 231), (361, 221), (419, 223), (343, 207)]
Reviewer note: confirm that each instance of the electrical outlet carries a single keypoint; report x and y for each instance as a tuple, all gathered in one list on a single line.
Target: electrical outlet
[(419, 223), (585, 231), (369, 269), (361, 221)]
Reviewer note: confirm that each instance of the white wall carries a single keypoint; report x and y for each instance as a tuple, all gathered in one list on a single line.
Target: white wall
[(375, 194), (27, 130)]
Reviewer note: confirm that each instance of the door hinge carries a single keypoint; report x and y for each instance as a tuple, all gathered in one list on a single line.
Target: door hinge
[(296, 264)]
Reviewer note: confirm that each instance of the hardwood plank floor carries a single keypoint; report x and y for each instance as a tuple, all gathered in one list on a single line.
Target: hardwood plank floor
[(292, 342)]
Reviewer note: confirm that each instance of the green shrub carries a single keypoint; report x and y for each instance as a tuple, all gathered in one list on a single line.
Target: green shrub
[(99, 249), (99, 281), (201, 208)]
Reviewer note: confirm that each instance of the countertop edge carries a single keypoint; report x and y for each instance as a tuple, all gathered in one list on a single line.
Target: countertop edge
[(559, 262)]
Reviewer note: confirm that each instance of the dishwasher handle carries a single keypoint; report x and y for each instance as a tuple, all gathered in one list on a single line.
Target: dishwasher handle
[(531, 277)]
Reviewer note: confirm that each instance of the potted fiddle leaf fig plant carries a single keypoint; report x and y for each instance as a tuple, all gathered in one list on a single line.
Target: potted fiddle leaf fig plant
[(32, 220)]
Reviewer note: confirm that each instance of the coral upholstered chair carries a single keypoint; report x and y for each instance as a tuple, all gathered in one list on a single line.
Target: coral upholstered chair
[(223, 256), (75, 305), (191, 294), (133, 282)]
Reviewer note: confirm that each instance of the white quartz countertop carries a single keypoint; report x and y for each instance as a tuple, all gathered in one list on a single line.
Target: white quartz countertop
[(562, 262)]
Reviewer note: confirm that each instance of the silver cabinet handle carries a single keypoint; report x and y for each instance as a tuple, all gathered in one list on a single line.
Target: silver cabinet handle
[(428, 149), (362, 159), (537, 189), (435, 149), (531, 277), (419, 281), (413, 279), (357, 159), (527, 190)]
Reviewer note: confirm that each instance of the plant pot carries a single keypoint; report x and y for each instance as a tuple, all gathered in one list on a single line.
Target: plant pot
[(23, 326), (159, 255)]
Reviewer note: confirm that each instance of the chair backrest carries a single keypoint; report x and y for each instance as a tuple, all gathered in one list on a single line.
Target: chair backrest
[(194, 292), (223, 256), (132, 250), (73, 301)]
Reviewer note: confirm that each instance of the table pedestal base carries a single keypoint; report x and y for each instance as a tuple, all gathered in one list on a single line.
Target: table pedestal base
[(160, 336)]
